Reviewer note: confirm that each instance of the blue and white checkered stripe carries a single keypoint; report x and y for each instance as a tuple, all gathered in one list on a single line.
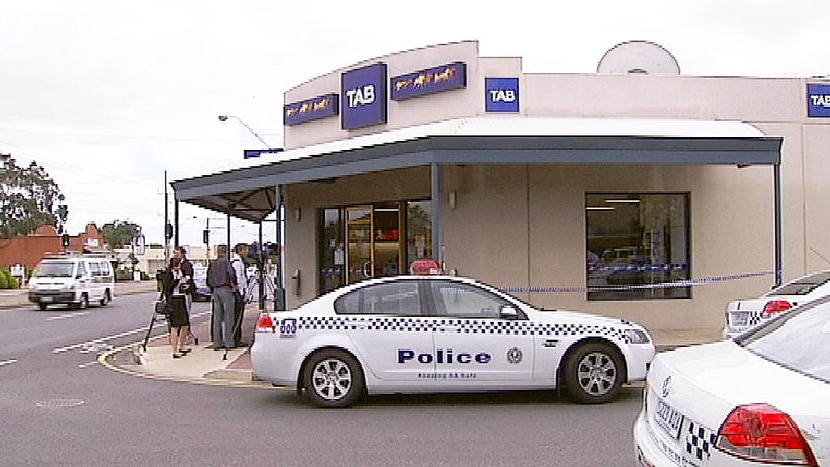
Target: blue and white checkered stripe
[(699, 441), (754, 317), (463, 325)]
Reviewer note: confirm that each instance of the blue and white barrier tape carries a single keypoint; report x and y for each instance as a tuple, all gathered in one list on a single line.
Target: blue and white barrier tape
[(614, 288), (640, 267)]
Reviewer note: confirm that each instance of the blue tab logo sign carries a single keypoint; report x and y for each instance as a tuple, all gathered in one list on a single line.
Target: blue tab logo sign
[(501, 95), (363, 97), (818, 100)]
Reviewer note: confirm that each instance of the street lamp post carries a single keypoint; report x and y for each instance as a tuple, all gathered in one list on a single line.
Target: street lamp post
[(223, 118)]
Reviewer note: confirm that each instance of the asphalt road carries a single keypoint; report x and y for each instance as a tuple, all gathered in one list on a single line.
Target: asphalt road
[(60, 407)]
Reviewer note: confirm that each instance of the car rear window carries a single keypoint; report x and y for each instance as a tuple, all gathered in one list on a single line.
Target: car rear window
[(799, 340), (802, 286)]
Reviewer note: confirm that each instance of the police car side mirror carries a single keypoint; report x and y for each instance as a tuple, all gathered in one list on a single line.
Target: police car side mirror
[(508, 312)]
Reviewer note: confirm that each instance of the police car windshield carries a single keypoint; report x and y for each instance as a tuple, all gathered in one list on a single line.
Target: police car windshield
[(796, 340), (54, 269), (802, 286)]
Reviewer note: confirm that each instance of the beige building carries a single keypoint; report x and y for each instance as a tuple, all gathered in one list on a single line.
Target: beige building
[(635, 192)]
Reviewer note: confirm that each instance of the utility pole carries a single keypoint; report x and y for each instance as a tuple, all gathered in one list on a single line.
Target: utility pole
[(166, 224)]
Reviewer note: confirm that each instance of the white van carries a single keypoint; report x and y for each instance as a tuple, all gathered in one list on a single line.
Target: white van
[(74, 281)]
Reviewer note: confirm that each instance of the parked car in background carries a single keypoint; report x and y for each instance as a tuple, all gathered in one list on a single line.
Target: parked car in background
[(203, 292), (745, 314), (762, 398), (422, 334)]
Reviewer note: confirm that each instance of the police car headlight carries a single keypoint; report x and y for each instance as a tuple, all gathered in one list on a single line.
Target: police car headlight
[(637, 336)]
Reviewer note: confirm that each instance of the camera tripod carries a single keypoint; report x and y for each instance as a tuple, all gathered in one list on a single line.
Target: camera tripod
[(269, 289)]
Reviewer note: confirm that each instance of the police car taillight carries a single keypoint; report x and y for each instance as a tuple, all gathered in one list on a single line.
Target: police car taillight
[(761, 432), (265, 323), (776, 306)]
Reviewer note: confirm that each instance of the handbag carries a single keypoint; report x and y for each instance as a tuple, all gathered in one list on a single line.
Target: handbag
[(160, 306)]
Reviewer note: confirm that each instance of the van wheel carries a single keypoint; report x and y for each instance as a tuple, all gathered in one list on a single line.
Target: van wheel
[(106, 298), (84, 302), (41, 306)]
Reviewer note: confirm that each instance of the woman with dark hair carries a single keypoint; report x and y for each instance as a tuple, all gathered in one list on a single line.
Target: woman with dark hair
[(177, 317)]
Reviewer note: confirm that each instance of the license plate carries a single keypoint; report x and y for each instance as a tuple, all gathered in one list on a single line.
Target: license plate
[(739, 318), (45, 299), (668, 418)]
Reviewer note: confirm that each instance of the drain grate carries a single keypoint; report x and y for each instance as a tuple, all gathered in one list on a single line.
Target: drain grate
[(59, 403)]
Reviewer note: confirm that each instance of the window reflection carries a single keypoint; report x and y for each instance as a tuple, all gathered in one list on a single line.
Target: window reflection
[(636, 244)]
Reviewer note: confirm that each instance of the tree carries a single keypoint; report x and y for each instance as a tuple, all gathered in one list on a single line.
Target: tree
[(119, 234), (29, 198)]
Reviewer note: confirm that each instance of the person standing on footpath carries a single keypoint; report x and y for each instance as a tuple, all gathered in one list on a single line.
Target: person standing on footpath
[(240, 251), (176, 309), (222, 281), (186, 268)]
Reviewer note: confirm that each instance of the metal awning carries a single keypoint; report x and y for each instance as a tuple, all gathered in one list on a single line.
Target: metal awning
[(249, 192)]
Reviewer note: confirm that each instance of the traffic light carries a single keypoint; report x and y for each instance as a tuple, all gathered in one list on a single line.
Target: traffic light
[(206, 236), (168, 231), (65, 240)]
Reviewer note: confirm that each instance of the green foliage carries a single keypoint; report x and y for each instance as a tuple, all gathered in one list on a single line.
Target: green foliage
[(29, 198), (7, 281), (119, 234)]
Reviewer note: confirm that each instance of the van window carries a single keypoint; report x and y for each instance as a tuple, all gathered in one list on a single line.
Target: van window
[(54, 269), (82, 268), (95, 269)]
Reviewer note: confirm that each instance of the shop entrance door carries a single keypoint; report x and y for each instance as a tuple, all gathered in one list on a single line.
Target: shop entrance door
[(359, 262), (374, 241)]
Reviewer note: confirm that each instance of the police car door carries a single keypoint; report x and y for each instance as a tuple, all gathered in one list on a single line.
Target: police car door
[(387, 329), (473, 342)]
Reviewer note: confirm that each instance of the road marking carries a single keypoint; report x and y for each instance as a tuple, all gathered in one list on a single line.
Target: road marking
[(8, 362), (68, 315), (101, 340), (84, 365)]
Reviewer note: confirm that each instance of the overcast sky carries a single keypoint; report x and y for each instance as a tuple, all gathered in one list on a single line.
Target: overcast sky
[(108, 95)]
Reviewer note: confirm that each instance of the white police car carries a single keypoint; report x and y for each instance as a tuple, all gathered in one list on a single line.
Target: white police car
[(760, 399), (419, 334), (745, 314)]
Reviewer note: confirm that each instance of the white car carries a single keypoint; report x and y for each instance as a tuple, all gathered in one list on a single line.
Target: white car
[(745, 314), (420, 334), (760, 399)]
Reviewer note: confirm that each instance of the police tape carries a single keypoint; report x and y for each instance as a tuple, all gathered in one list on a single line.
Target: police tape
[(624, 288)]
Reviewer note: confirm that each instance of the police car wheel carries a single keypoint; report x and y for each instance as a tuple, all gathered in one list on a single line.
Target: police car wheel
[(333, 379), (593, 373), (42, 306)]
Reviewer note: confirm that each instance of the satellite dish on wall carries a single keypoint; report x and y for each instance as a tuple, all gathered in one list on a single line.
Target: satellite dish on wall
[(638, 57)]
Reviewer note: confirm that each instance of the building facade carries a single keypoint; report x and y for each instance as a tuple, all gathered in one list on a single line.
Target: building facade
[(640, 193)]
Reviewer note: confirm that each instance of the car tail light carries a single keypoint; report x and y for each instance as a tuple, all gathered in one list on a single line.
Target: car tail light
[(760, 432), (265, 323), (776, 306)]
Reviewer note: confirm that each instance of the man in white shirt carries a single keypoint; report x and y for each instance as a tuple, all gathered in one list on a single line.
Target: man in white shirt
[(240, 252)]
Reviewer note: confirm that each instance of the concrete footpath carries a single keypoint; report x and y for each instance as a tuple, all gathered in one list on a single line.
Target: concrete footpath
[(203, 365)]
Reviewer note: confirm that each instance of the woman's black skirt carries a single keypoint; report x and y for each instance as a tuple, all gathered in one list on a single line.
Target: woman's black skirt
[(177, 315)]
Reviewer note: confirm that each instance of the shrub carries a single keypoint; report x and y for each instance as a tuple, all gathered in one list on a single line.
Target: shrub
[(4, 278)]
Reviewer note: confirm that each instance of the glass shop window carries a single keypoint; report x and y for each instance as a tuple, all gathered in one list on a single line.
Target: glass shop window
[(637, 245)]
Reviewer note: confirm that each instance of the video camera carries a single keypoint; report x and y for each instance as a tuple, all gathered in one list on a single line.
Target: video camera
[(258, 253)]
